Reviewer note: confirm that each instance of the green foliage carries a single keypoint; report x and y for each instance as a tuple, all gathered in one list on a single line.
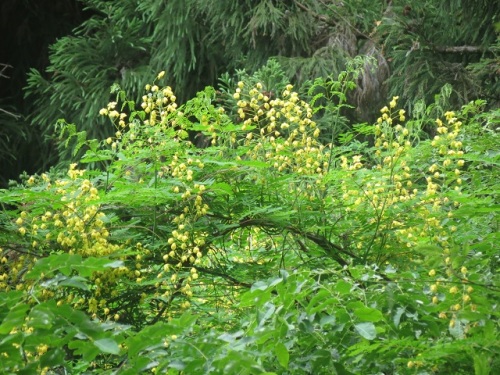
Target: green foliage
[(272, 249)]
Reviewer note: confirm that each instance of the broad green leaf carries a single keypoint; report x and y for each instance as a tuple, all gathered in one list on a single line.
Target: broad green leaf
[(75, 282), (341, 370), (100, 155), (14, 318), (42, 316), (282, 354), (85, 348), (397, 316), (343, 287), (263, 316), (368, 314), (107, 346), (366, 330), (327, 320), (53, 358)]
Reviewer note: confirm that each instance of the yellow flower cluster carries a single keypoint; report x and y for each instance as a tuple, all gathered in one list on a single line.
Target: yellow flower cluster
[(184, 247), (78, 226), (390, 197), (444, 176), (159, 111), (456, 297), (449, 148), (281, 130), (158, 125), (75, 224), (388, 186)]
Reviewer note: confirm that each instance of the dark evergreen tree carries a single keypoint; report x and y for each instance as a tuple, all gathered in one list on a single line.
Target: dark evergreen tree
[(417, 48)]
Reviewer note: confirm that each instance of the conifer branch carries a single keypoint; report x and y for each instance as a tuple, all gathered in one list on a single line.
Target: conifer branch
[(315, 15)]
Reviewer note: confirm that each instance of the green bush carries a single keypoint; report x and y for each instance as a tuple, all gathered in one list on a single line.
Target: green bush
[(270, 250)]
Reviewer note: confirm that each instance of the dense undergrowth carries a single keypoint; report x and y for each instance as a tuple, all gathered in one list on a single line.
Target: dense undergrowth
[(233, 235)]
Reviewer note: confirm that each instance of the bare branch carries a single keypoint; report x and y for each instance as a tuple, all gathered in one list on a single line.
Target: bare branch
[(461, 49), (3, 69), (10, 113)]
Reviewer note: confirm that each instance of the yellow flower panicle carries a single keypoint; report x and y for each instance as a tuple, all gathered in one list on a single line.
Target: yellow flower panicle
[(280, 130)]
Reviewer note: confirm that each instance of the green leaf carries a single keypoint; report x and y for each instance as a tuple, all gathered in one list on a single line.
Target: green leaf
[(366, 330), (53, 358), (107, 346), (397, 316), (262, 316), (327, 320), (15, 317), (86, 349), (368, 314), (341, 369), (282, 354), (342, 287), (75, 282), (101, 155), (481, 364), (42, 316)]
